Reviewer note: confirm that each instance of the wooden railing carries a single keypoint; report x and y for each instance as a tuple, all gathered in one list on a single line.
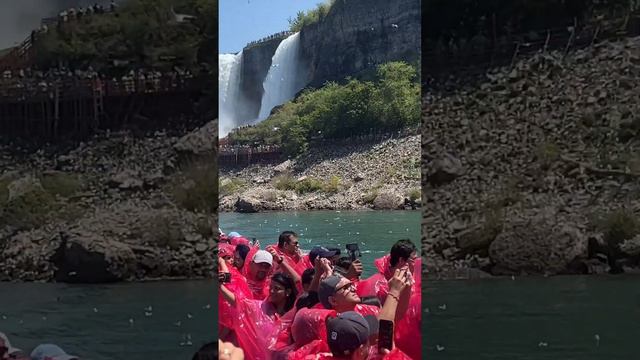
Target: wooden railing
[(20, 89)]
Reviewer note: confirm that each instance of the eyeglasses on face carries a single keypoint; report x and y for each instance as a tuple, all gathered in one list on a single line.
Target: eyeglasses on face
[(349, 287)]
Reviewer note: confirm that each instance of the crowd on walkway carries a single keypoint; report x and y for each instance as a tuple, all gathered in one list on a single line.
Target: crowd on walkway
[(28, 82), (278, 303)]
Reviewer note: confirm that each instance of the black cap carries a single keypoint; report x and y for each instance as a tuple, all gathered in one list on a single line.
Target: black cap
[(323, 252), (348, 331)]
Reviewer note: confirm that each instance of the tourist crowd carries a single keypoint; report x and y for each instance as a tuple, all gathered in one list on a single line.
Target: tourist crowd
[(28, 82), (278, 303)]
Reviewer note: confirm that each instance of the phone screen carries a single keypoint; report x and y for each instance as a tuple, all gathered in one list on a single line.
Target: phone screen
[(385, 335)]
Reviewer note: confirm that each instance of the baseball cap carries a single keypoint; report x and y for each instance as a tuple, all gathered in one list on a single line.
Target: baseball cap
[(232, 234), (327, 288), (348, 331), (7, 344), (323, 252), (50, 351), (263, 256)]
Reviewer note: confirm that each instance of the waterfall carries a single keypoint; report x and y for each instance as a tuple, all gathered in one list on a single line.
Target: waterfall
[(285, 77), (229, 98)]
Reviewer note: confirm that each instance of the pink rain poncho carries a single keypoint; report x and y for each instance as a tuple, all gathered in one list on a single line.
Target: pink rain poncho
[(307, 334), (259, 288), (255, 329), (298, 263), (238, 286), (410, 323)]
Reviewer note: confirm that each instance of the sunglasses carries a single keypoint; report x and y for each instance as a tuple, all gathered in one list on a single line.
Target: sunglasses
[(350, 287)]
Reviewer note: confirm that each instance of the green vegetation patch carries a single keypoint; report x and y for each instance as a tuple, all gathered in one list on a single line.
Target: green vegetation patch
[(142, 32), (337, 111), (309, 17), (196, 188)]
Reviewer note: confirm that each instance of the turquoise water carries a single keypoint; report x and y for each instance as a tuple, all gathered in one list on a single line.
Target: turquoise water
[(532, 318), (92, 321), (374, 231)]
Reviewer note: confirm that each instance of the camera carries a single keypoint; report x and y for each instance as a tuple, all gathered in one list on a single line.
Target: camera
[(354, 251)]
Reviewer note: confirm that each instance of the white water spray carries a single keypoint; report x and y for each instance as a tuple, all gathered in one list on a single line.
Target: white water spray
[(229, 66), (285, 77)]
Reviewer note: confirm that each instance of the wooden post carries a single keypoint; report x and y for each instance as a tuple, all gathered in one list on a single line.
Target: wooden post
[(515, 55), (546, 43), (56, 111), (566, 49)]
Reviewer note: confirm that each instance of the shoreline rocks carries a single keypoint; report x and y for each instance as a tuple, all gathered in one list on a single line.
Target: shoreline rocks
[(380, 176), (534, 171), (110, 211)]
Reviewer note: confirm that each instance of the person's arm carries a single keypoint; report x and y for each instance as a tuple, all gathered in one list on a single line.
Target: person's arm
[(396, 285), (405, 295), (323, 269), (284, 265), (228, 295)]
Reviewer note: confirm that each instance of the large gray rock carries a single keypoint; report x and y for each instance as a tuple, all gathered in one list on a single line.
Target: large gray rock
[(539, 243), (444, 170), (126, 180), (388, 200), (88, 257), (247, 204), (199, 142)]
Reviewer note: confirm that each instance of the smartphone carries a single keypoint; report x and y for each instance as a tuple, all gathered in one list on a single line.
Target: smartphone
[(354, 251), (385, 335), (226, 277)]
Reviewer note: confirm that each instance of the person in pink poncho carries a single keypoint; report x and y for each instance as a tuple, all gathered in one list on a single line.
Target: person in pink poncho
[(403, 253), (259, 321)]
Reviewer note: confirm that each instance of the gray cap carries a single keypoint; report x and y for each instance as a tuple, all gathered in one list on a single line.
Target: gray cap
[(50, 351), (327, 288), (348, 331)]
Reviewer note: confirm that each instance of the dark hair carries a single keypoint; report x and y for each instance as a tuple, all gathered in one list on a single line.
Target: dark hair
[(307, 275), (208, 351), (284, 237), (288, 283), (243, 250), (344, 262), (401, 249)]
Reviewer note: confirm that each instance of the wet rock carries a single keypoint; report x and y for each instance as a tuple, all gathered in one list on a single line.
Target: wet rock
[(444, 170), (248, 204), (126, 180), (538, 244), (388, 200)]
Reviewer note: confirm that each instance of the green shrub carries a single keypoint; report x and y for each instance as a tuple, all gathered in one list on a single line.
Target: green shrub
[(230, 186), (414, 194), (196, 189), (333, 185), (28, 211), (308, 185), (547, 153), (61, 184), (618, 226), (335, 111), (312, 16), (284, 182)]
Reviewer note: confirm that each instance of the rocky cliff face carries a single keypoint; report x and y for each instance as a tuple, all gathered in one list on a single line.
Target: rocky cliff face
[(357, 35), (255, 66)]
